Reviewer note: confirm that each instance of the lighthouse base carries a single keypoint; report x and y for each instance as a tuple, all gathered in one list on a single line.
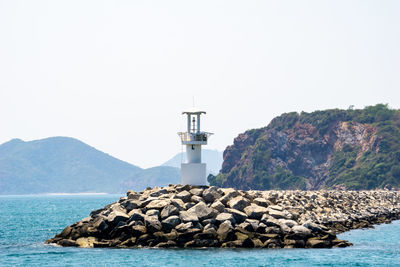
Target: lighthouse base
[(193, 173)]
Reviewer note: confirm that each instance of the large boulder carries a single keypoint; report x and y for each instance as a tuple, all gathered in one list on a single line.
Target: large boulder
[(255, 212), (238, 203), (279, 214), (184, 196), (152, 223), (202, 211), (158, 204), (237, 215), (225, 216), (171, 222), (217, 205), (169, 210), (225, 231), (229, 193), (85, 242), (115, 217), (211, 194), (188, 216)]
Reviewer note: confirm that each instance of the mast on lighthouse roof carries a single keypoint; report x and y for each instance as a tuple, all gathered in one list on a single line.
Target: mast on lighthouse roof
[(193, 172)]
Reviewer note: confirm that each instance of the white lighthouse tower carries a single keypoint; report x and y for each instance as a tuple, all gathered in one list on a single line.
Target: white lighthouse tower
[(193, 172)]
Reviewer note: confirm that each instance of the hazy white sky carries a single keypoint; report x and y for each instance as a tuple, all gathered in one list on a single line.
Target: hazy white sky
[(117, 74)]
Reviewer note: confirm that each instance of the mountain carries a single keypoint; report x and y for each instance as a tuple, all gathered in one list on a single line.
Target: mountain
[(348, 149), (213, 159), (63, 164)]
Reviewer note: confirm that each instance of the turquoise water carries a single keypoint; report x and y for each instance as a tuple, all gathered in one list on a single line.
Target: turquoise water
[(27, 221)]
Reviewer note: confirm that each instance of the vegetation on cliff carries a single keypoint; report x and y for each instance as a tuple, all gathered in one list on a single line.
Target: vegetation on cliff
[(353, 149)]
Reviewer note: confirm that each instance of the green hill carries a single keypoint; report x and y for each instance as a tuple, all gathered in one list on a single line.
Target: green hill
[(62, 164), (349, 149)]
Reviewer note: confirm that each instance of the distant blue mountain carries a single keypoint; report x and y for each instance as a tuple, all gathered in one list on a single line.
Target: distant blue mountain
[(63, 164), (213, 159)]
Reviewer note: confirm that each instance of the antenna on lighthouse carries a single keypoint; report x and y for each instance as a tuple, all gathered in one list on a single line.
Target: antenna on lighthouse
[(193, 171)]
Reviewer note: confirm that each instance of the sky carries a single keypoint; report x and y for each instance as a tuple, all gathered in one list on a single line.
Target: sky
[(117, 74)]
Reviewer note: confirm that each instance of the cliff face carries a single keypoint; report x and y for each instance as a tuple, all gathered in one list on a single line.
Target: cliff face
[(324, 149)]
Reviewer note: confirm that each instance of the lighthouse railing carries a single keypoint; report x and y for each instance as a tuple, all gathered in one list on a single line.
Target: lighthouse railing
[(189, 137)]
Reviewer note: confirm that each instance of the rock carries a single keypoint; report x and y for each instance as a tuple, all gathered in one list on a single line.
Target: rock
[(210, 194), (208, 226), (130, 242), (153, 213), (115, 217), (254, 224), (279, 214), (189, 205), (138, 230), (131, 204), (208, 221), (184, 226), (217, 205), (272, 230), (170, 222), (136, 216), (67, 243), (99, 225), (238, 203), (85, 242), (314, 227), (229, 193), (184, 196), (237, 215), (260, 202), (196, 199), (254, 211), (144, 201), (222, 217), (188, 216), (257, 243), (158, 193), (169, 210), (66, 232), (271, 219), (241, 236), (196, 192), (316, 243), (132, 195), (276, 207), (152, 223), (158, 204), (185, 187), (202, 211), (289, 223), (187, 236), (178, 203), (244, 227), (225, 231)]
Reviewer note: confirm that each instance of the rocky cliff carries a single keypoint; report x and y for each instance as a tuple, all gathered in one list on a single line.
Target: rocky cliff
[(332, 149)]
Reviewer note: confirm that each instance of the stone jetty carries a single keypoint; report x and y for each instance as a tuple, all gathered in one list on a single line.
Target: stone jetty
[(194, 216)]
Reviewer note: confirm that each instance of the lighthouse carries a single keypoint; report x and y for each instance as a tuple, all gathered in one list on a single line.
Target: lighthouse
[(193, 171)]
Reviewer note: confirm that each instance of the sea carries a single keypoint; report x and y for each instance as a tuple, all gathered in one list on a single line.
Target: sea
[(27, 221)]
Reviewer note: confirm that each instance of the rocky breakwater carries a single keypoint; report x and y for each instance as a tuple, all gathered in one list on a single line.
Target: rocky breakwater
[(190, 216)]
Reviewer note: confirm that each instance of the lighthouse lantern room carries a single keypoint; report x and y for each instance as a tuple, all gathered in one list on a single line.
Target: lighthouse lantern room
[(193, 172)]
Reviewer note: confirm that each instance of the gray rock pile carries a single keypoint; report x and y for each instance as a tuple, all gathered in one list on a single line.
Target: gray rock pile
[(193, 216)]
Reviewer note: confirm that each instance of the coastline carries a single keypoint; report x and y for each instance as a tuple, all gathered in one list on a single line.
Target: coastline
[(193, 216)]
